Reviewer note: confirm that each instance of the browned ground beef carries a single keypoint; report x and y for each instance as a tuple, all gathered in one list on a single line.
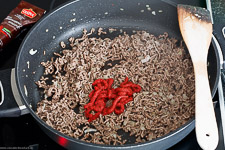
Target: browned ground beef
[(158, 64)]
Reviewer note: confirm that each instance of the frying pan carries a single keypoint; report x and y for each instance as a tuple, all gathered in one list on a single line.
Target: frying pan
[(68, 21)]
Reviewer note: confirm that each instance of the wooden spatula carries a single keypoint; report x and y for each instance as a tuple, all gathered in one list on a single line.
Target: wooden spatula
[(196, 29)]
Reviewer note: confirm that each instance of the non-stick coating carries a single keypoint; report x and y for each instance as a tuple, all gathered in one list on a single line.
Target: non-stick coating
[(72, 18)]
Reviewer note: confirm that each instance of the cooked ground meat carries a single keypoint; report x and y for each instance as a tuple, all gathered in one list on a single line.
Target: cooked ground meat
[(159, 65)]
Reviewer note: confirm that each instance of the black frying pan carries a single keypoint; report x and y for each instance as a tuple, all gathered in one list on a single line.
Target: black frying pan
[(127, 15)]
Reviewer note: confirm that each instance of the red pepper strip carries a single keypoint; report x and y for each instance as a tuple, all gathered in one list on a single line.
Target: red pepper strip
[(94, 97), (111, 94), (103, 95), (103, 92), (99, 85), (102, 82), (136, 88), (127, 90), (88, 112), (93, 117), (87, 106), (125, 101), (124, 82), (119, 108), (122, 93), (91, 94), (126, 79), (96, 82), (96, 88), (128, 84), (99, 105), (109, 110), (110, 83)]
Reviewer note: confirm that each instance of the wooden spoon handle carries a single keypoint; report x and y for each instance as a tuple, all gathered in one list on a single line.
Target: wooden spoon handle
[(206, 126)]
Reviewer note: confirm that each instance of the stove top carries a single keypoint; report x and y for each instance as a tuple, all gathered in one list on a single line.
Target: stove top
[(23, 132)]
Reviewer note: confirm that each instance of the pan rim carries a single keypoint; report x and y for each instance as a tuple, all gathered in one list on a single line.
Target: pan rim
[(78, 141)]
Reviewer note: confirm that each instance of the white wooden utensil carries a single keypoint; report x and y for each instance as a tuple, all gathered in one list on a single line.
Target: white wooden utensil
[(196, 29)]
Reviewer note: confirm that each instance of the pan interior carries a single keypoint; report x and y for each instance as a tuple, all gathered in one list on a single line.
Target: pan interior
[(35, 70), (70, 21), (32, 69)]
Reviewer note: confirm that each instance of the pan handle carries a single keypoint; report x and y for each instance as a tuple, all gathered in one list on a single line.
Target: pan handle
[(10, 101)]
